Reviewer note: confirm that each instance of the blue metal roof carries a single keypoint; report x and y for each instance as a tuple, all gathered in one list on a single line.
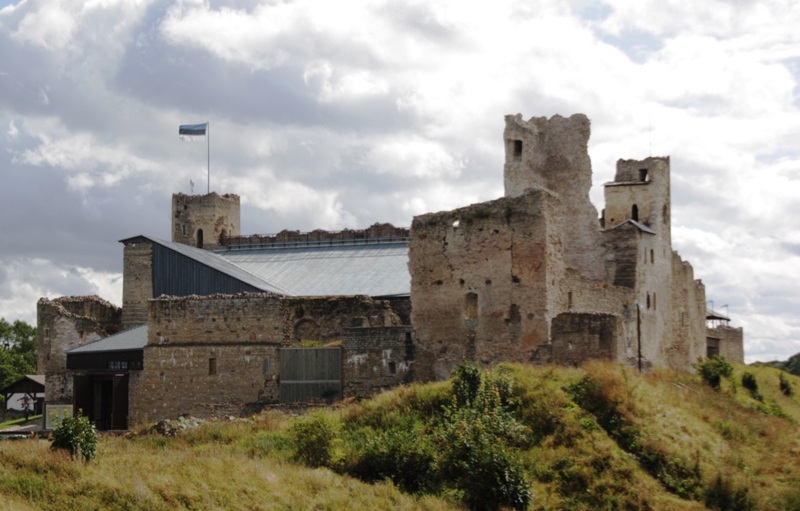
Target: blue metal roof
[(372, 269), (133, 339), (218, 263)]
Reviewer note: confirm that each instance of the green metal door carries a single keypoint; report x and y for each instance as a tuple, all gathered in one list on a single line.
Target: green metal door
[(309, 374)]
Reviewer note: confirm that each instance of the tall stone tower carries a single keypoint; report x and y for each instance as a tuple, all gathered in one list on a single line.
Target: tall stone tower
[(204, 221)]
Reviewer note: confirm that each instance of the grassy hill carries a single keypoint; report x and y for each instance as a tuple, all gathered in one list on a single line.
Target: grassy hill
[(792, 365), (598, 437)]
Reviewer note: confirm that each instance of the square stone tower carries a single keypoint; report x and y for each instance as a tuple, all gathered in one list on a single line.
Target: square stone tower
[(205, 221)]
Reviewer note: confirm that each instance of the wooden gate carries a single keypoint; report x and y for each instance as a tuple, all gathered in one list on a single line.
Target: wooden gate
[(310, 374)]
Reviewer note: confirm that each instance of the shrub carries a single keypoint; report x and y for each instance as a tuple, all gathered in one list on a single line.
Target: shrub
[(722, 494), (76, 435), (466, 383), (313, 439), (713, 369), (785, 385), (749, 382), (406, 456)]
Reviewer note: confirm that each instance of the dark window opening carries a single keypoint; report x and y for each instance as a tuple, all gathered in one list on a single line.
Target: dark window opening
[(392, 368), (185, 207), (518, 150), (408, 336), (643, 175), (648, 300), (654, 300), (652, 256), (199, 238), (569, 300), (635, 212), (471, 306), (212, 366)]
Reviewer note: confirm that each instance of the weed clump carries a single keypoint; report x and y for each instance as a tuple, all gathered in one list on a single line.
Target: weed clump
[(722, 494), (785, 385), (712, 370), (76, 435)]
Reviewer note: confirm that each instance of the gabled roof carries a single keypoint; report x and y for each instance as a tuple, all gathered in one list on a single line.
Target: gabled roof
[(28, 383), (133, 339), (638, 225), (712, 314), (372, 269), (214, 261)]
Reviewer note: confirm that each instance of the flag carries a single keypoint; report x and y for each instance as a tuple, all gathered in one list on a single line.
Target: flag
[(193, 132)]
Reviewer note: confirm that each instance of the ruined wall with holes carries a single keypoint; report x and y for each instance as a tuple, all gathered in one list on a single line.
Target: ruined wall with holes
[(553, 154), (479, 280), (578, 337), (217, 216), (729, 342), (137, 282), (66, 323), (218, 355), (376, 359)]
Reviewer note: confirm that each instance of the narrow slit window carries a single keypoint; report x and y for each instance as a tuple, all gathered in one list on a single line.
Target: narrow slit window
[(199, 238), (654, 300), (471, 306), (652, 256), (212, 366), (648, 300), (635, 212)]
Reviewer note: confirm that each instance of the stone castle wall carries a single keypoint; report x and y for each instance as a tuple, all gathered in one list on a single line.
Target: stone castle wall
[(729, 340), (479, 281), (687, 319), (373, 233), (66, 323), (219, 355), (377, 359)]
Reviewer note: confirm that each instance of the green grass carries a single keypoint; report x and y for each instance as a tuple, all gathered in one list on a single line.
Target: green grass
[(18, 422), (600, 437)]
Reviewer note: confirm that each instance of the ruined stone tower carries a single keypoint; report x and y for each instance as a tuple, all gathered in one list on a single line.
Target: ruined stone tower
[(552, 154), (204, 221)]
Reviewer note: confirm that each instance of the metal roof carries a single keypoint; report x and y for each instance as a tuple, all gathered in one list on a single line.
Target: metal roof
[(712, 314), (638, 225), (324, 270), (216, 262), (133, 339)]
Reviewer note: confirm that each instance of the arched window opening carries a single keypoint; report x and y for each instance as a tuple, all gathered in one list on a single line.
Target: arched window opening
[(199, 238), (471, 306), (635, 212)]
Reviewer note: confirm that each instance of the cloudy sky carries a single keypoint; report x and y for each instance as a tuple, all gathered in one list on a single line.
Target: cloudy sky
[(340, 114)]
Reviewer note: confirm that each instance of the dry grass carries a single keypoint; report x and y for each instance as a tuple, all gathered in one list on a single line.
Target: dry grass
[(576, 460)]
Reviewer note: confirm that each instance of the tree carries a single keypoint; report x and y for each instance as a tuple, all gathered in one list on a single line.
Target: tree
[(18, 351)]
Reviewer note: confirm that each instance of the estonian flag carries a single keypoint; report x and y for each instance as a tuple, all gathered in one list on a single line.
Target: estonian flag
[(193, 132)]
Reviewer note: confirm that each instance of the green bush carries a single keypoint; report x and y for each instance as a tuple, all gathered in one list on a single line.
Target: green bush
[(313, 439), (785, 385), (724, 495), (712, 370), (749, 382), (406, 456), (76, 435)]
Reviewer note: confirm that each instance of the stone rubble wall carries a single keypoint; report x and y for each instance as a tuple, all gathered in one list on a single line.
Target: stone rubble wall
[(502, 254), (376, 359), (374, 232), (65, 323), (688, 318)]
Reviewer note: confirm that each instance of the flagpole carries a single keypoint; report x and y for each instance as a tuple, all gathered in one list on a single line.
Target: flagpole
[(208, 148)]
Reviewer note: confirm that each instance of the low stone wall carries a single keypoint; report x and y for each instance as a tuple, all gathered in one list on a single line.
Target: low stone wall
[(376, 359)]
